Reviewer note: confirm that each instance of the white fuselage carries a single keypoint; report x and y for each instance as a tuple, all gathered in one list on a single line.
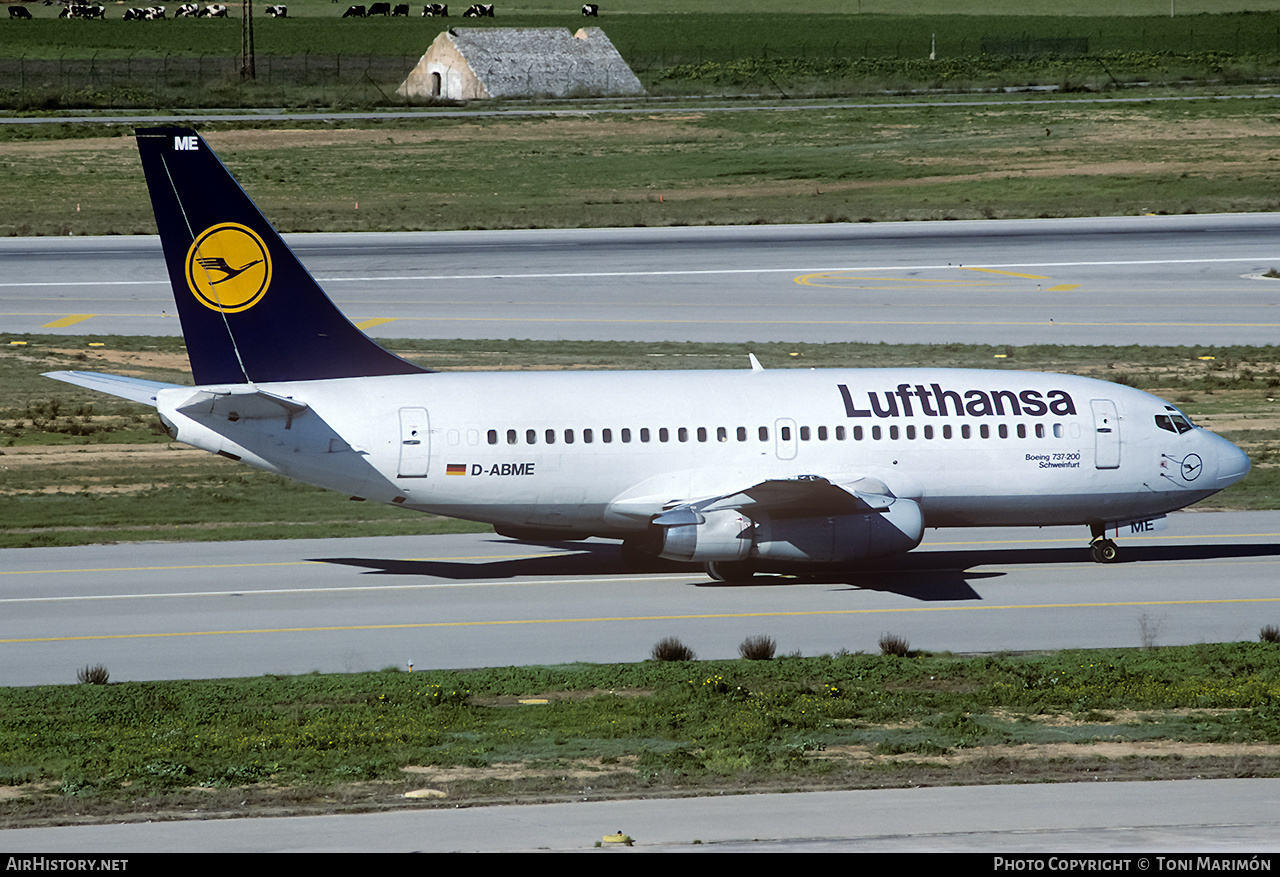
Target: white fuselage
[(603, 452)]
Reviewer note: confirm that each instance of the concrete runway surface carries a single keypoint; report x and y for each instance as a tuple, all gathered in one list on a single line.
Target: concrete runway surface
[(1184, 280), (1224, 819)]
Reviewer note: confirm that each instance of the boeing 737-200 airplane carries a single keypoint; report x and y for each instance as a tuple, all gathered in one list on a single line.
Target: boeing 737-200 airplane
[(739, 470)]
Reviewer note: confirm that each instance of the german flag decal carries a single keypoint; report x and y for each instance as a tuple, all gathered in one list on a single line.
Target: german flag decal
[(455, 469)]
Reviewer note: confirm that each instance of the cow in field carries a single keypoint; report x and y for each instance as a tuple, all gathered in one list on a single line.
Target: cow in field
[(590, 10), (435, 10), (383, 9), (18, 12), (278, 11), (479, 10), (187, 10), (213, 10), (84, 11), (400, 9), (354, 12)]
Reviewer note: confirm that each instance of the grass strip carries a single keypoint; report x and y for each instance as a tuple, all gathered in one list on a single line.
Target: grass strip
[(926, 159), (322, 742)]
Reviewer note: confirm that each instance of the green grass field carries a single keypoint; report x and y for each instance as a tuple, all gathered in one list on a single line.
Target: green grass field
[(946, 161), (315, 58), (322, 743)]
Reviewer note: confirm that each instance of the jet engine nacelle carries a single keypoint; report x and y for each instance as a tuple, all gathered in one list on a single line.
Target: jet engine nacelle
[(721, 535), (729, 535)]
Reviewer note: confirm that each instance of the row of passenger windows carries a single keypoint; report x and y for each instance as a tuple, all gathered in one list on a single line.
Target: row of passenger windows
[(910, 432)]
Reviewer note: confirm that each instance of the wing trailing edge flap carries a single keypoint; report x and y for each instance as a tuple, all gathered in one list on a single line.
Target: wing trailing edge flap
[(803, 495), (241, 403), (133, 389)]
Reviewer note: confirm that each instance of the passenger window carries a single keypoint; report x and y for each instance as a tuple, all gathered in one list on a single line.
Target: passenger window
[(742, 433), (586, 436), (568, 436), (493, 436), (644, 433), (513, 437), (531, 436), (551, 436), (840, 433), (663, 434), (722, 434), (606, 436), (626, 435), (804, 433), (764, 433)]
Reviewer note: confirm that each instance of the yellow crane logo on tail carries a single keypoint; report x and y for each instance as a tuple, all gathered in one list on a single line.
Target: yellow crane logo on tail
[(228, 268)]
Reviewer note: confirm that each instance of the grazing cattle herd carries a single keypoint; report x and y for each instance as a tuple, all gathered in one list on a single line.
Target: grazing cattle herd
[(87, 11), (71, 9)]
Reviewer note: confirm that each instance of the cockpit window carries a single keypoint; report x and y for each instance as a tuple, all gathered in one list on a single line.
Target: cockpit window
[(1175, 423)]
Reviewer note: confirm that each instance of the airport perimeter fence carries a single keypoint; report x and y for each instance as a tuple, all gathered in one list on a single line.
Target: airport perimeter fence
[(202, 81)]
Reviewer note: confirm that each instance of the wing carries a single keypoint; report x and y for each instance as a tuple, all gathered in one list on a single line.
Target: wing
[(803, 495)]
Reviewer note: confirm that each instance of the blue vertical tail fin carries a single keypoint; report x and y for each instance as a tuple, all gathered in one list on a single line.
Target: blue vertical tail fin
[(250, 311)]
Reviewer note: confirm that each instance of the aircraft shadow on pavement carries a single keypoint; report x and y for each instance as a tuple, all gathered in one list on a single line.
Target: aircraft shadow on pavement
[(926, 575)]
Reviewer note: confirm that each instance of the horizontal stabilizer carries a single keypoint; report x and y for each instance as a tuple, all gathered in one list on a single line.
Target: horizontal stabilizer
[(241, 403), (133, 389)]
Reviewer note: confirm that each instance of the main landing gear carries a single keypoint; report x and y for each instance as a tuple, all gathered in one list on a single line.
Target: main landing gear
[(1102, 548)]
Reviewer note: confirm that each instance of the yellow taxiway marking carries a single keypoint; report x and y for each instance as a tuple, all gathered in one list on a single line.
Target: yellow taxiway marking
[(1063, 287), (1008, 273), (838, 278), (69, 320), (720, 616), (376, 321)]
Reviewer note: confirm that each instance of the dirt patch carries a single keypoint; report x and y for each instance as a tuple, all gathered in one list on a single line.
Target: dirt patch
[(128, 362), (114, 456)]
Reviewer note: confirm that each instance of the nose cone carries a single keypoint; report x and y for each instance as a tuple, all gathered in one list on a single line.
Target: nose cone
[(1233, 464)]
